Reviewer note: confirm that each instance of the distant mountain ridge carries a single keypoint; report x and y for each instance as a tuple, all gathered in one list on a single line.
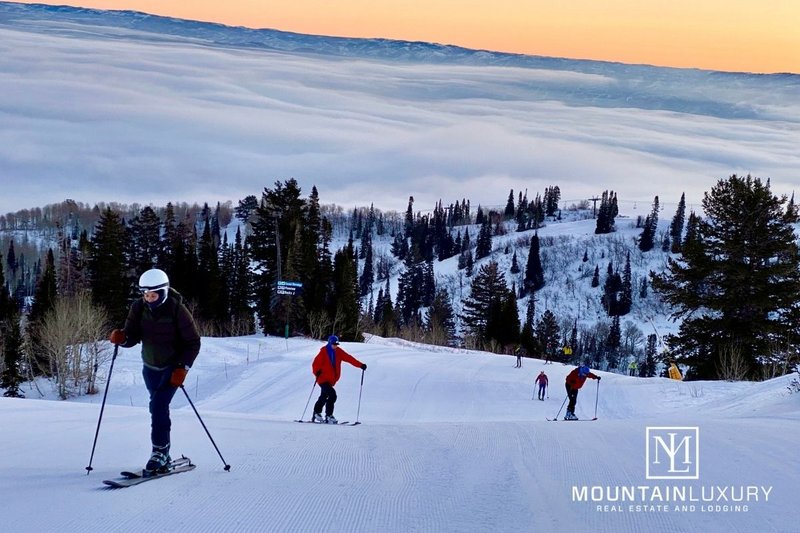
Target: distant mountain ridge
[(267, 38), (691, 91)]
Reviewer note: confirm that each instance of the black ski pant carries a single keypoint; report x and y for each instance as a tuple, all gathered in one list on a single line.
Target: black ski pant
[(542, 388), (327, 397), (161, 394), (572, 394)]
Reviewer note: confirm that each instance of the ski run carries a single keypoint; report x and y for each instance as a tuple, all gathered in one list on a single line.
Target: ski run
[(450, 442)]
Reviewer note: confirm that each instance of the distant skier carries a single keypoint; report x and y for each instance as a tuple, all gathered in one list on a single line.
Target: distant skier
[(632, 367), (574, 382), (541, 380), (518, 353), (170, 344), (327, 368)]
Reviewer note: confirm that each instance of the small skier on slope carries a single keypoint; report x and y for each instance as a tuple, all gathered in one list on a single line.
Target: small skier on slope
[(327, 367), (541, 380), (574, 382)]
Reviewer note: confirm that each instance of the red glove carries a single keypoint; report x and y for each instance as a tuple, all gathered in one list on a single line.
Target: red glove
[(117, 337), (177, 377)]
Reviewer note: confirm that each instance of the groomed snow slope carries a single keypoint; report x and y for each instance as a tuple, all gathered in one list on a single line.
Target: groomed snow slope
[(450, 441)]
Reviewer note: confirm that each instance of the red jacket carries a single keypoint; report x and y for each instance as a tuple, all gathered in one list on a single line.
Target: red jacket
[(541, 379), (576, 381), (330, 373)]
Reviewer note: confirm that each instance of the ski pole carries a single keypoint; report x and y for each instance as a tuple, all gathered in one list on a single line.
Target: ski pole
[(596, 398), (227, 466), (309, 399), (358, 412), (562, 406), (102, 407)]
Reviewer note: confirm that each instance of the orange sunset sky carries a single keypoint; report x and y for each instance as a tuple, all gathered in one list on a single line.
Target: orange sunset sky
[(732, 35)]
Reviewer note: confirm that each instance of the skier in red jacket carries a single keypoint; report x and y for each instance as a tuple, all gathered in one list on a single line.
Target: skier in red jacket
[(541, 380), (574, 382), (327, 367)]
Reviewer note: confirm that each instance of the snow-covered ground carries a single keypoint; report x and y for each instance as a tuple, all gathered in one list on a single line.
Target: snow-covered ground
[(451, 441)]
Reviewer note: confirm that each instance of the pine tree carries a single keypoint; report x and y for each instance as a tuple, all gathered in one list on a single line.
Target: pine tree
[(606, 213), (552, 195), (11, 377), (611, 292), (108, 272), (11, 260), (480, 218), (408, 289), (274, 227), (508, 214), (317, 268), (503, 326), (647, 238), (738, 283), (367, 275), (44, 299), (534, 273), (409, 221), (488, 290), (210, 308), (469, 269), (676, 226), (613, 342), (385, 316), (514, 264), (548, 333), (596, 276), (648, 368), (527, 339), (441, 319), (483, 246), (145, 240), (626, 289), (10, 337), (246, 208), (344, 302), (241, 313)]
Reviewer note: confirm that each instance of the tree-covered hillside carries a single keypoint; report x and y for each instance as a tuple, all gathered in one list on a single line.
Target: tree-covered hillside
[(715, 293)]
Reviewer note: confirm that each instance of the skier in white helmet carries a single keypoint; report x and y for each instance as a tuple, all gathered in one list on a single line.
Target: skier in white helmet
[(170, 344)]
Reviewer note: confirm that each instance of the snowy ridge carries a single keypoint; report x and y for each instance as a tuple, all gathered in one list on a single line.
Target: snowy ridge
[(450, 442)]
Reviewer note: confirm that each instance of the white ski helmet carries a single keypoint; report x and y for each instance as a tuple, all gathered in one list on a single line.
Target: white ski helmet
[(153, 280)]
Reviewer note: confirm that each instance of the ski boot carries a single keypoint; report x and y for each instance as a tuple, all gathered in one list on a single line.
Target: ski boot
[(330, 419), (317, 418), (159, 460)]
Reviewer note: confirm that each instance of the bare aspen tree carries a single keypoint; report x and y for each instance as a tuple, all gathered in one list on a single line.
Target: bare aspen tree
[(73, 337)]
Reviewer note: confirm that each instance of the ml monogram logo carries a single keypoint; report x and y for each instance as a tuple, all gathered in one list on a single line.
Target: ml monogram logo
[(673, 453)]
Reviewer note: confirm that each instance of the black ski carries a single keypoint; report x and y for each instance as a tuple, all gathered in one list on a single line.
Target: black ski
[(131, 478), (573, 420), (345, 423)]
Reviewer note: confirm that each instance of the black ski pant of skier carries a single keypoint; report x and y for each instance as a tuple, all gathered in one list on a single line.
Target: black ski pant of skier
[(572, 394), (327, 398), (542, 387), (161, 394)]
